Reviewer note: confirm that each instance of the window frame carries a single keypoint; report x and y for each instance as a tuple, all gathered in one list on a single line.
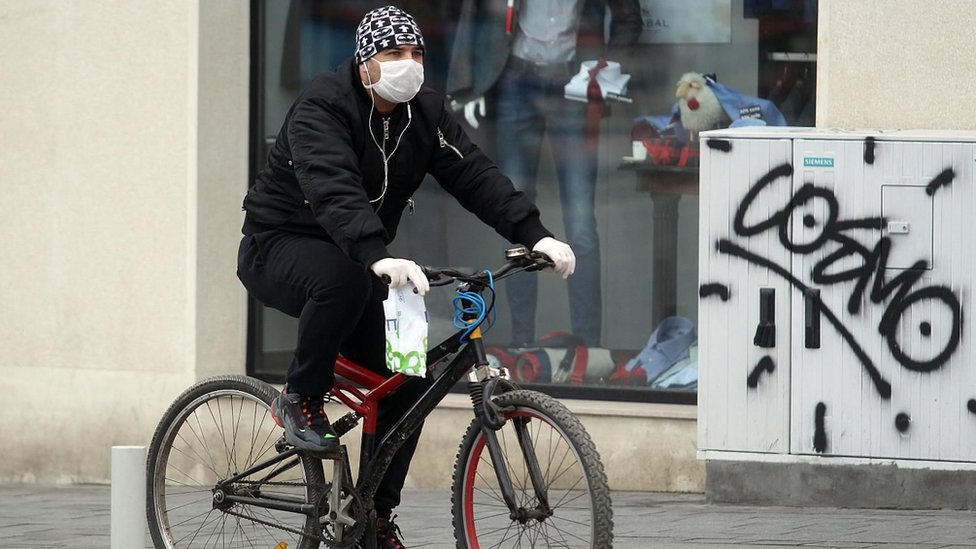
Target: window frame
[(271, 366)]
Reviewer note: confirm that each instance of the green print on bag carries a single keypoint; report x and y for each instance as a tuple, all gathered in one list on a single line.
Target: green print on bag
[(412, 363), (406, 332)]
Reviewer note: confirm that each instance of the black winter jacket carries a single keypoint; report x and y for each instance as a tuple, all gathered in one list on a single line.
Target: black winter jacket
[(325, 168)]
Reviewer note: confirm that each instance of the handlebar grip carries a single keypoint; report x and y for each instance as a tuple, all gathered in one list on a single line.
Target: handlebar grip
[(429, 272)]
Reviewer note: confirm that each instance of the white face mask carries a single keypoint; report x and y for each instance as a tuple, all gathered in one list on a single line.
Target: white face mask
[(399, 80)]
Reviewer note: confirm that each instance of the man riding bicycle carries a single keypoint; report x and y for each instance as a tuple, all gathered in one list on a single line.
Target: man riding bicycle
[(351, 152)]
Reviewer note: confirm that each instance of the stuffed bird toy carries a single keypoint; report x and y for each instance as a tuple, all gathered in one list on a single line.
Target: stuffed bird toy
[(699, 107)]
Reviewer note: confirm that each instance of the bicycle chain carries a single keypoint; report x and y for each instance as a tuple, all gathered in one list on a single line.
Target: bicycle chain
[(288, 529), (327, 487)]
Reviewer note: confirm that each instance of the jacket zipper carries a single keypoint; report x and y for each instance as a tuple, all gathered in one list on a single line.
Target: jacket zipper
[(444, 143)]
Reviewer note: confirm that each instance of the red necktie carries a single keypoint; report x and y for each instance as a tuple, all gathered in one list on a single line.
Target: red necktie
[(594, 106)]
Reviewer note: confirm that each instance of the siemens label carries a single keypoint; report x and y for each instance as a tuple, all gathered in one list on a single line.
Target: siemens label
[(818, 162)]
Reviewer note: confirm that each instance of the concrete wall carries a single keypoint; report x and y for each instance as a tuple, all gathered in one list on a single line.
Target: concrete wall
[(895, 64), (123, 157), (642, 446)]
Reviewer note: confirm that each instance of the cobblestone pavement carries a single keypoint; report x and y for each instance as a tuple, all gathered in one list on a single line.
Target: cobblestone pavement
[(78, 517)]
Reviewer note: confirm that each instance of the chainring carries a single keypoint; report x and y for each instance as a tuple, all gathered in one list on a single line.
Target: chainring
[(348, 522)]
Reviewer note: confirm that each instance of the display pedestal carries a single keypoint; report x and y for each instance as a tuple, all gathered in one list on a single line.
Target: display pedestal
[(665, 185)]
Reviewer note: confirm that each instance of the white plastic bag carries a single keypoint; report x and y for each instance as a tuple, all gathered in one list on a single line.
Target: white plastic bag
[(406, 331)]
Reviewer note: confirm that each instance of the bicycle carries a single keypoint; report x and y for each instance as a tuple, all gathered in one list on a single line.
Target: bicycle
[(526, 473)]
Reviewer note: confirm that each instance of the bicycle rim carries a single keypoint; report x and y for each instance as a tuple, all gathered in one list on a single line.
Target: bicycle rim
[(573, 477), (214, 431)]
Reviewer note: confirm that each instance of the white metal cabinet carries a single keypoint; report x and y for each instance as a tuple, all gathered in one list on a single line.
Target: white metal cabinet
[(879, 363), (748, 405)]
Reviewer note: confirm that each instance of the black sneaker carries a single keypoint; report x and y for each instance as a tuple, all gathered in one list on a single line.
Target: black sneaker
[(388, 534), (305, 423)]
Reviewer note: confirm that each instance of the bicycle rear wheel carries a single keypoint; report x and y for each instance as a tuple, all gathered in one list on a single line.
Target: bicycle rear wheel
[(574, 482), (217, 429)]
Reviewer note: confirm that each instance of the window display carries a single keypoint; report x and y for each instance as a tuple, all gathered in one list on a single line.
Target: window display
[(592, 110)]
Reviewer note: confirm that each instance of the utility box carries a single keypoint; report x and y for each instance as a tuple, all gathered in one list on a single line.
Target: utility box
[(837, 276)]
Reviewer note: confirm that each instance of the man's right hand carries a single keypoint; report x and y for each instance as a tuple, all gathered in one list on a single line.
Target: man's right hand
[(399, 271)]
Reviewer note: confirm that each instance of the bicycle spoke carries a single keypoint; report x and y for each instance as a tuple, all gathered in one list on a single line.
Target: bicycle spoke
[(485, 517), (250, 512), (193, 535), (495, 491), (179, 507), (209, 466), (570, 534), (218, 424), (563, 503), (222, 429), (255, 433), (235, 431), (210, 462), (545, 450), (233, 532), (205, 514)]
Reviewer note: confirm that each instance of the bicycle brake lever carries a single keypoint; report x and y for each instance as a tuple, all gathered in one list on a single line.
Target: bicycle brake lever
[(539, 261)]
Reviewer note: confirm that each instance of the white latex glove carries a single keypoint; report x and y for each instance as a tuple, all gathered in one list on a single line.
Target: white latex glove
[(560, 253), (470, 109), (400, 271)]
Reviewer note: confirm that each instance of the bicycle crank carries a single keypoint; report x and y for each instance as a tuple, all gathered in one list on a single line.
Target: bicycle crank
[(342, 515)]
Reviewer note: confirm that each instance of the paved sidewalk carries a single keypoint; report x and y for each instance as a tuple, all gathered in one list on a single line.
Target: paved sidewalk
[(78, 517)]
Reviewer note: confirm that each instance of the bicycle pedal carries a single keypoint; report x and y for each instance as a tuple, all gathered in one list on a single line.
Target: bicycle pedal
[(281, 446), (337, 454)]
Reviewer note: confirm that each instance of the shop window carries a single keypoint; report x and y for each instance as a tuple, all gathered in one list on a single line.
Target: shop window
[(625, 329)]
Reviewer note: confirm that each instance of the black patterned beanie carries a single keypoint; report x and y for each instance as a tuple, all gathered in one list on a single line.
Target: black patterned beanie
[(385, 28)]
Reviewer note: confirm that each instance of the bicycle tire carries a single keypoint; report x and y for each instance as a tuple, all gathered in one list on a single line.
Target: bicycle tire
[(481, 517), (217, 428)]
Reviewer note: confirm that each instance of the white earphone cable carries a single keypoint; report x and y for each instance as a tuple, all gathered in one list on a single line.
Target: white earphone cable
[(382, 148)]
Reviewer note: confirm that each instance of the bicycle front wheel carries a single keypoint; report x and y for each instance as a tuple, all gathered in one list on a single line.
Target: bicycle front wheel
[(215, 430), (574, 510)]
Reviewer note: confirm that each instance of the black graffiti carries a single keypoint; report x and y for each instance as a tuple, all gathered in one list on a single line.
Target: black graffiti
[(940, 180), (971, 405), (869, 150), (820, 432), (765, 365), (883, 386), (738, 223), (723, 145), (870, 269), (721, 290), (902, 422), (898, 292)]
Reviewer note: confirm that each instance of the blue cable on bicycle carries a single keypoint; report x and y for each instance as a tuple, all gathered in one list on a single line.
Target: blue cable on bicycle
[(476, 308)]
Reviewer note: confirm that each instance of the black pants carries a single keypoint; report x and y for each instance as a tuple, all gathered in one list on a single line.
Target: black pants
[(339, 306)]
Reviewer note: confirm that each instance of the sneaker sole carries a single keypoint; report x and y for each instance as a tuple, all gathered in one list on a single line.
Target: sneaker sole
[(331, 451)]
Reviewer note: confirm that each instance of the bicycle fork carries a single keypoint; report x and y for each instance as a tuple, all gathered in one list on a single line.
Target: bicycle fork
[(482, 382), (490, 420)]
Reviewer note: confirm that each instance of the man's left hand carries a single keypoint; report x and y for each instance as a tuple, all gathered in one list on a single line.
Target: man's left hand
[(560, 253)]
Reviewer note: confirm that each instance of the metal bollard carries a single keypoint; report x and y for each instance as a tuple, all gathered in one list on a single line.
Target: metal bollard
[(128, 497)]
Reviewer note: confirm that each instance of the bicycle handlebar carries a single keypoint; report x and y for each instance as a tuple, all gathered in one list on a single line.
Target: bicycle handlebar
[(529, 261), (526, 261)]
